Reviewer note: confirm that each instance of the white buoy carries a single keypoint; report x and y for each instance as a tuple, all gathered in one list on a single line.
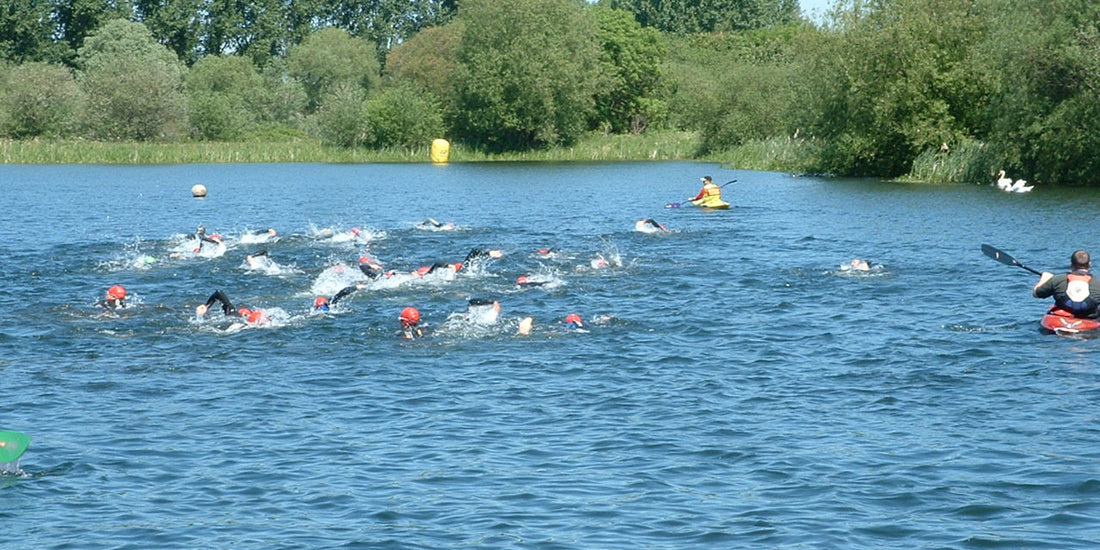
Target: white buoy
[(198, 190)]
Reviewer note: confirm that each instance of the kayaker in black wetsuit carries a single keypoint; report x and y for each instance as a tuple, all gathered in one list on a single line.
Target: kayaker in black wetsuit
[(116, 297), (1076, 292), (323, 304)]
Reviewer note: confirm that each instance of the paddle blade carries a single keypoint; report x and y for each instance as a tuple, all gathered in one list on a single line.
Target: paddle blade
[(998, 255), (12, 445), (1004, 258)]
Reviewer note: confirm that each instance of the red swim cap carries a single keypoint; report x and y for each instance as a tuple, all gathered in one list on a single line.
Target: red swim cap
[(410, 316), (320, 301), (257, 317), (423, 271), (364, 259), (244, 312), (355, 231), (116, 292), (521, 279), (573, 318), (458, 266), (544, 251)]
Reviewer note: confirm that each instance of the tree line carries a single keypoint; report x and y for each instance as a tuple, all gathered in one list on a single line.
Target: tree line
[(949, 90)]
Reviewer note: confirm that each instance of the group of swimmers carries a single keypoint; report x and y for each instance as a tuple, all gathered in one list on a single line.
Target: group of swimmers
[(480, 311)]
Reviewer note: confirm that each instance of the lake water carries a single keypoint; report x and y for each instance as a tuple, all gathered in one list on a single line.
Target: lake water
[(734, 388)]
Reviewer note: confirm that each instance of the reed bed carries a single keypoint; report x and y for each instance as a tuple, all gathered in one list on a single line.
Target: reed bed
[(594, 147)]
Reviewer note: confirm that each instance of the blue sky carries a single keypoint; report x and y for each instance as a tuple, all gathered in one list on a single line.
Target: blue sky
[(811, 6)]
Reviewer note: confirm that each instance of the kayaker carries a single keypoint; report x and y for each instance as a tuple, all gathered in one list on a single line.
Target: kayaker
[(709, 194), (1076, 292), (116, 296)]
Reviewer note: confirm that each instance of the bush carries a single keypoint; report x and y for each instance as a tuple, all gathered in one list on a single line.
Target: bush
[(40, 100), (403, 117)]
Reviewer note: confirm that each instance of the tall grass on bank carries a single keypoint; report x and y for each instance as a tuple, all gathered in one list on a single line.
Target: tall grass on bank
[(780, 154), (593, 147), (967, 162)]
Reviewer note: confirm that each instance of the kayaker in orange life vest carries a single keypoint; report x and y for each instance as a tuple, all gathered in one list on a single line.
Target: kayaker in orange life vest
[(709, 190), (1077, 292)]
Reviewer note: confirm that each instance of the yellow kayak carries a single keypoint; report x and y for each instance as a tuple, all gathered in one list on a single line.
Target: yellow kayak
[(711, 204)]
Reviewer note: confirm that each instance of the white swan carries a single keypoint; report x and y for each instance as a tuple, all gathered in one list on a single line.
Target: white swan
[(1003, 183), (1020, 186)]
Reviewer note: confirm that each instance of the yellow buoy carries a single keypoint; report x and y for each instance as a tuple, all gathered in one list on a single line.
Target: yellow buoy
[(441, 151), (198, 190)]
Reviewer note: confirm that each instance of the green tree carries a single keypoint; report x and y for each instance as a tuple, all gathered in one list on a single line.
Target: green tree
[(527, 73), (692, 16), (630, 67), (331, 58), (76, 19), (403, 116), (891, 82), (175, 23), (26, 32), (342, 120), (40, 99), (134, 85), (225, 94), (387, 23)]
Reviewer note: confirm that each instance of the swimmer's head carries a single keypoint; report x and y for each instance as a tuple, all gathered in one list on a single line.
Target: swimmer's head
[(410, 316), (116, 292), (356, 231), (522, 280), (321, 303), (257, 316), (458, 267), (574, 321), (244, 312)]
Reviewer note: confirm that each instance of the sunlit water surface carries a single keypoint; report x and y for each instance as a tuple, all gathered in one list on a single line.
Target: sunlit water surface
[(735, 388)]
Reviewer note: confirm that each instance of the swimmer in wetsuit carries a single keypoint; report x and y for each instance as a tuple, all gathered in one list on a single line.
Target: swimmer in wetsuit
[(250, 316), (323, 304), (115, 300)]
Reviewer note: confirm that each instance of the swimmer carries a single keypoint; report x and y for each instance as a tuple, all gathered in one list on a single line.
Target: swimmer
[(648, 225), (547, 252), (258, 260), (202, 237), (574, 321), (483, 312), (524, 280), (410, 323), (857, 265), (252, 317), (116, 296), (480, 253), (432, 224), (371, 268), (269, 232), (323, 304), (437, 267)]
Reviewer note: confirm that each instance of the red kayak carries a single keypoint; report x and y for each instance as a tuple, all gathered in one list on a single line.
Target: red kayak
[(1060, 321)]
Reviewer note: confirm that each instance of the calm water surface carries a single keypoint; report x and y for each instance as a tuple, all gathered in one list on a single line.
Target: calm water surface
[(735, 388)]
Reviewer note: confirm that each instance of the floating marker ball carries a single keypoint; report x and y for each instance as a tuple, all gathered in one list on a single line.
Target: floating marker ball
[(198, 191)]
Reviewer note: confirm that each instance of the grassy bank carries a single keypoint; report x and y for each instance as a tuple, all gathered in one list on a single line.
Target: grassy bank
[(595, 147)]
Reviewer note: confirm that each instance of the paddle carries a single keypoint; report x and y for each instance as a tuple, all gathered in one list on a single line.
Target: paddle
[(1004, 258), (679, 204), (12, 445)]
